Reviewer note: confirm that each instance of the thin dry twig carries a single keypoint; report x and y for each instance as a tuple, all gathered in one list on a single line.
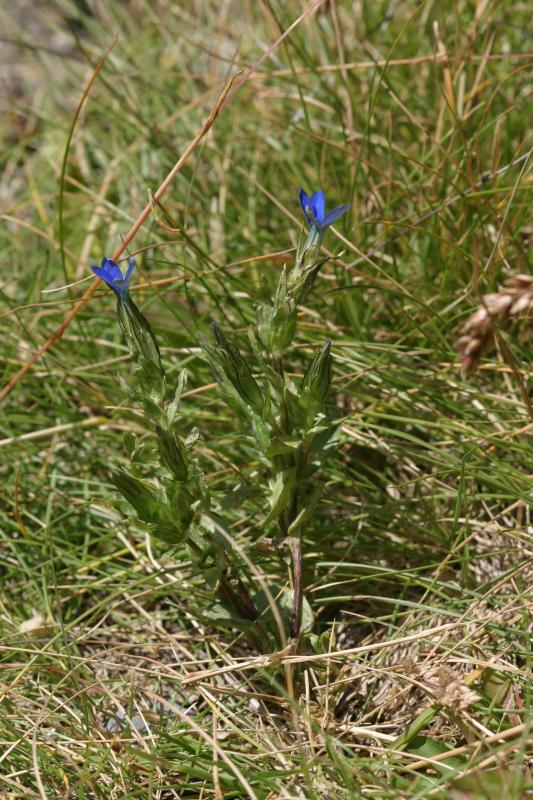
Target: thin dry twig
[(510, 733)]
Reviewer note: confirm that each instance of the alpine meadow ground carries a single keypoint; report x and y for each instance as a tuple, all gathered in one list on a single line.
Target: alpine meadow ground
[(265, 519)]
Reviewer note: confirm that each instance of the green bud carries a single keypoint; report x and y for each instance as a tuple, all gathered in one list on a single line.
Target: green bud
[(317, 380), (276, 326), (138, 335), (173, 454), (226, 358), (138, 495), (276, 322)]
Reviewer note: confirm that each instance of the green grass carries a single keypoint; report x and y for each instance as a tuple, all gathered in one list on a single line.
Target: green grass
[(425, 518)]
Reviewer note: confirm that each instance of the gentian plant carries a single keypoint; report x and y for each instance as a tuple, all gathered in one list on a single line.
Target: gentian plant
[(314, 208), (290, 429), (110, 273)]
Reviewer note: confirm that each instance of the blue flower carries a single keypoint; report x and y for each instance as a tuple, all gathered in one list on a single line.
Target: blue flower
[(314, 208), (110, 273)]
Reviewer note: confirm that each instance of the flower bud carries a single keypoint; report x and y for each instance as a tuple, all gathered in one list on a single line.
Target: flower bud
[(276, 321), (138, 495), (226, 358), (276, 326), (138, 335), (173, 454), (317, 380)]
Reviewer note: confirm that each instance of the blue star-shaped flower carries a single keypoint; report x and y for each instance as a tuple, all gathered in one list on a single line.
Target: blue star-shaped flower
[(314, 208), (110, 273)]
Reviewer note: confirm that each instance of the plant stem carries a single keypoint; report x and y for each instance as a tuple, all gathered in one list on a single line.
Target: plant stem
[(286, 518), (283, 412), (295, 545)]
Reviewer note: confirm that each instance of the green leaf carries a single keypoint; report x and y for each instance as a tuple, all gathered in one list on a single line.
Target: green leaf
[(138, 494), (317, 380), (182, 505), (323, 439), (280, 446), (168, 532), (145, 453), (173, 406), (262, 432), (219, 615), (309, 505), (426, 747), (281, 492), (283, 598), (322, 643), (192, 438), (129, 441), (212, 575), (286, 602), (484, 784)]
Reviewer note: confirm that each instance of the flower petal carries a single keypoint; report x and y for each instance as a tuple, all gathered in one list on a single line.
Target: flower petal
[(305, 202), (131, 266), (318, 201), (104, 276), (334, 215), (113, 270)]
